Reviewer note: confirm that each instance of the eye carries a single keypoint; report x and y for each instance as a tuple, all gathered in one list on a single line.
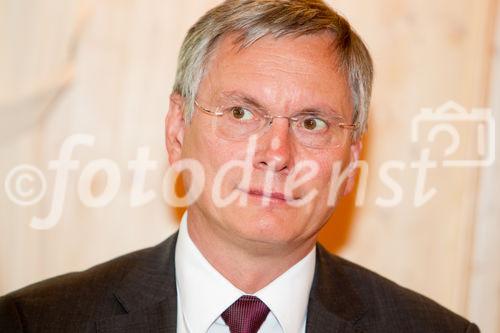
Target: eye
[(241, 113), (314, 124)]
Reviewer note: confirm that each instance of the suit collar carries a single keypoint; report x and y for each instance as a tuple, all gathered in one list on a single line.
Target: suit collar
[(147, 293), (333, 302)]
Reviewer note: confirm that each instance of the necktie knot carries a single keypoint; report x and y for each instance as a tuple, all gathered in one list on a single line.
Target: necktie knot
[(246, 315)]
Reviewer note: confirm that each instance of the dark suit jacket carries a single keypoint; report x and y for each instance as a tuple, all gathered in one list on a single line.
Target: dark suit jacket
[(137, 293)]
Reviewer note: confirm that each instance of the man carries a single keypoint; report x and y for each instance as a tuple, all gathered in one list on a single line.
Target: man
[(270, 97)]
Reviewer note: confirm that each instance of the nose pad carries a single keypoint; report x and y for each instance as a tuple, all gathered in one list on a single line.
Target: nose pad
[(273, 130), (269, 126)]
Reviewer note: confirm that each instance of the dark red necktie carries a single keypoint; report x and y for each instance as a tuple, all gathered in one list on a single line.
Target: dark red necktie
[(246, 315)]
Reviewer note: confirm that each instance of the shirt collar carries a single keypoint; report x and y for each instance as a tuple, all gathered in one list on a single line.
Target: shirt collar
[(288, 295), (204, 293)]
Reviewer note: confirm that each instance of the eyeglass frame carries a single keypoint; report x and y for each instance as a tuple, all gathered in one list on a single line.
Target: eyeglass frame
[(270, 118)]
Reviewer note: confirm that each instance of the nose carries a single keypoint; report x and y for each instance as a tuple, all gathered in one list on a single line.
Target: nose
[(274, 147)]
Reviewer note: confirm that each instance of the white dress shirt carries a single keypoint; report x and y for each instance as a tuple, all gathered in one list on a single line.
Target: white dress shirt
[(203, 293)]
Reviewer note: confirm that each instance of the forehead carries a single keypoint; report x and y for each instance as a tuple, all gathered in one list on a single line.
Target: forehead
[(286, 72)]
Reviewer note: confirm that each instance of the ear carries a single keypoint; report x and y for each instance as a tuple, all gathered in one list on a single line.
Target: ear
[(351, 178), (174, 127)]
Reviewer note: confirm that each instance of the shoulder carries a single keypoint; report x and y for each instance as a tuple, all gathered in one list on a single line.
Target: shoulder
[(95, 279), (79, 297), (388, 306)]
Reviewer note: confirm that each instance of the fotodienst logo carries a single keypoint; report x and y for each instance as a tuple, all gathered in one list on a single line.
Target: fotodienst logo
[(26, 184)]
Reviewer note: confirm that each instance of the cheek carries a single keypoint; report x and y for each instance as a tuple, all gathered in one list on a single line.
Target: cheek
[(214, 154), (329, 169), (200, 145)]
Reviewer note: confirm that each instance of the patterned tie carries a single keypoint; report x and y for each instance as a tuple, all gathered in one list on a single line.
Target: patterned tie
[(246, 315)]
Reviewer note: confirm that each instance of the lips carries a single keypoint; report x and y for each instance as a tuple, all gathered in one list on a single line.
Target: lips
[(278, 196)]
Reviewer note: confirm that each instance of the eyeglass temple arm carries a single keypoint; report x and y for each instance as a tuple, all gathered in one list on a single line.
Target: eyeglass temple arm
[(216, 113), (350, 126)]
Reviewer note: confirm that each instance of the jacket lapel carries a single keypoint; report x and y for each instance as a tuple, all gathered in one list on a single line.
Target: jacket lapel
[(334, 305), (156, 318), (147, 293)]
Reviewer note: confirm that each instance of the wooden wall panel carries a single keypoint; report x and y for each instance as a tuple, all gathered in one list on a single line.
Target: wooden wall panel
[(484, 292)]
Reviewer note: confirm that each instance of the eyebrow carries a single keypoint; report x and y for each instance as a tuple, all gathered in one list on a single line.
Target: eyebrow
[(238, 96)]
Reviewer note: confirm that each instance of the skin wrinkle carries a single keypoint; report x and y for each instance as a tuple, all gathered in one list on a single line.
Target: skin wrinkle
[(235, 96), (236, 47), (271, 61)]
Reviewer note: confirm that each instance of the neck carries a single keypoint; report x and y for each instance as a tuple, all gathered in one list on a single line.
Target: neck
[(249, 265)]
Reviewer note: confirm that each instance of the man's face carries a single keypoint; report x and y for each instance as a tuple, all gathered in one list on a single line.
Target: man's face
[(283, 76)]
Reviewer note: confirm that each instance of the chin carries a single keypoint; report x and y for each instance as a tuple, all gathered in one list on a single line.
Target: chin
[(265, 225)]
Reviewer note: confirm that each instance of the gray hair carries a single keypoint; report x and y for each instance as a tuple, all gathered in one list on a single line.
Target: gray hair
[(254, 19)]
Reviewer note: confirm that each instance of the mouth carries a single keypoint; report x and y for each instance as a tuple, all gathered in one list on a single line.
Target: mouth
[(273, 196)]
